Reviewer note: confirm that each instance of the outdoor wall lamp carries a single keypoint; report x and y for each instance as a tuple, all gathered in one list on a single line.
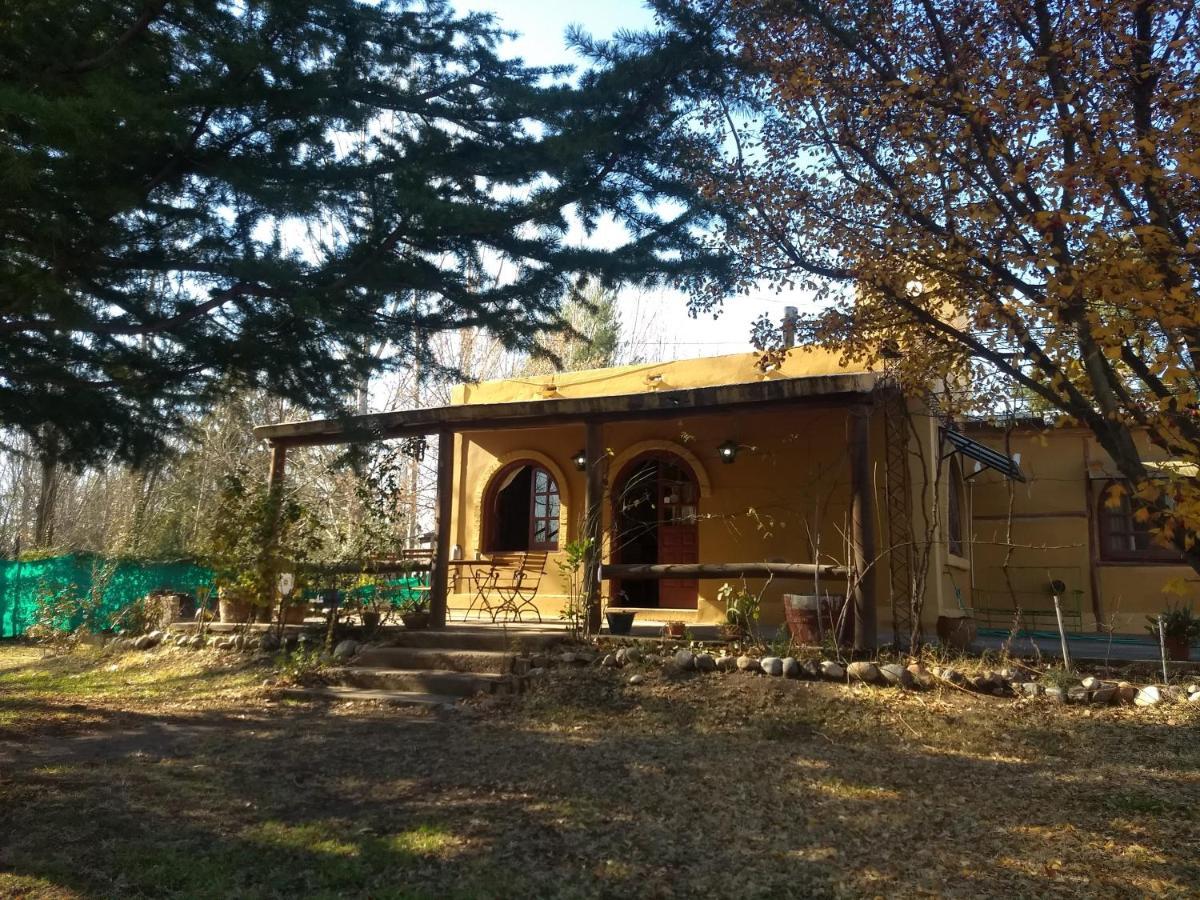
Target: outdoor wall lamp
[(728, 451), (580, 459)]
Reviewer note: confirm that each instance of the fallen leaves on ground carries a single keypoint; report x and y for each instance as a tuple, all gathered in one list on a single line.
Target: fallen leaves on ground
[(722, 785)]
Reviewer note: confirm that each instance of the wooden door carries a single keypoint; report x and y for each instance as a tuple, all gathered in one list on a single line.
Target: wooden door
[(654, 521), (678, 534)]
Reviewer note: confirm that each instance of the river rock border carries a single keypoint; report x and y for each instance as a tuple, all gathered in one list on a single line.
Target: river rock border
[(1015, 681)]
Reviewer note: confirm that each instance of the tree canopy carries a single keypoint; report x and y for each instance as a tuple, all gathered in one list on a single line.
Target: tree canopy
[(208, 195), (987, 188)]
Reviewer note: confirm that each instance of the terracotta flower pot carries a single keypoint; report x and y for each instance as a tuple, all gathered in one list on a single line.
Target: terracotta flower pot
[(802, 612), (676, 629)]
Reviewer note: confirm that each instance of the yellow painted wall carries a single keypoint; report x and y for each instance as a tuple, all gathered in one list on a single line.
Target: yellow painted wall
[(1053, 531), (791, 472)]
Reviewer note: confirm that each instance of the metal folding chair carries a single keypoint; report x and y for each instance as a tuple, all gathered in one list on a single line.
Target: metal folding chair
[(519, 592)]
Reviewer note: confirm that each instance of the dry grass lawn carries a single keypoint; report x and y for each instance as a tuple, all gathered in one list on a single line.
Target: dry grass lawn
[(177, 774)]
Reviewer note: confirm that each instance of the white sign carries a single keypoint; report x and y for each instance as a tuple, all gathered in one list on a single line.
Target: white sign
[(287, 581)]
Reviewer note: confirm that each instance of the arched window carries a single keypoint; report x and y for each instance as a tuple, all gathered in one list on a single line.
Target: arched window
[(522, 509), (955, 514)]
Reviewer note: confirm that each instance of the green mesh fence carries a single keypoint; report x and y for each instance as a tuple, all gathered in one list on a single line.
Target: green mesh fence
[(22, 583)]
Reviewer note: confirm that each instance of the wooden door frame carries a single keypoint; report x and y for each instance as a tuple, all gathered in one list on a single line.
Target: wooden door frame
[(617, 484)]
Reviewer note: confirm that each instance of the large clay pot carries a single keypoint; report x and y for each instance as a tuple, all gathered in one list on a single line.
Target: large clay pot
[(802, 612), (234, 606)]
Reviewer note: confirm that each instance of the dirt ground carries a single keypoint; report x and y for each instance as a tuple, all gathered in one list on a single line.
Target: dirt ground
[(178, 774)]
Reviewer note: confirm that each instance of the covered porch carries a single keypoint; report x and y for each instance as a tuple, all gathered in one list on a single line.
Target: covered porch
[(673, 490)]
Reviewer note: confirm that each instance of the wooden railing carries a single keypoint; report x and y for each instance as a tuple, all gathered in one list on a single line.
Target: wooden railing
[(659, 571)]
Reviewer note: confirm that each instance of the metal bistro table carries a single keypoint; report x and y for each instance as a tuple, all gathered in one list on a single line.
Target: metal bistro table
[(483, 574)]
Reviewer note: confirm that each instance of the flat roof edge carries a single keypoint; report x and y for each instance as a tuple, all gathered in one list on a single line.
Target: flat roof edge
[(530, 413)]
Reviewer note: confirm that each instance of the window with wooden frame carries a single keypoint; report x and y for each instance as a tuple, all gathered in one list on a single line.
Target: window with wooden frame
[(955, 511), (1122, 537), (522, 509)]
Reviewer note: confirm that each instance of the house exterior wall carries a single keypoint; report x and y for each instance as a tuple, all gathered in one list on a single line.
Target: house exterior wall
[(790, 481), (1054, 531)]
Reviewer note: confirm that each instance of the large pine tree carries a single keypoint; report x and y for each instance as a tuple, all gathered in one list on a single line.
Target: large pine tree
[(202, 195)]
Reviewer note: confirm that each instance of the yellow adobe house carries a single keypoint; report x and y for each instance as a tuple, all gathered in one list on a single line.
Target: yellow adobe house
[(1061, 528), (763, 475), (704, 462)]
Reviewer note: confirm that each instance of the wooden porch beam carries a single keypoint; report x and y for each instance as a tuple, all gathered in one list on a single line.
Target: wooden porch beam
[(541, 413), (659, 571)]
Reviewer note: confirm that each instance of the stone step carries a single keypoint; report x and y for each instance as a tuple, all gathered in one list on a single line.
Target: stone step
[(342, 694), (494, 662), (433, 681), (478, 637)]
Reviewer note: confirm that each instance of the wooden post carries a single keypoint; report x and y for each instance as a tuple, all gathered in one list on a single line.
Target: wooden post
[(1089, 500), (439, 582), (592, 524), (277, 470), (862, 515)]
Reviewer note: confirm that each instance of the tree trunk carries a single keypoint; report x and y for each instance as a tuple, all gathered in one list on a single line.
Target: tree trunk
[(43, 528)]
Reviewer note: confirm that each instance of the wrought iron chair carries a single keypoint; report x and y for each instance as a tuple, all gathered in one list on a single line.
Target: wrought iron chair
[(519, 586)]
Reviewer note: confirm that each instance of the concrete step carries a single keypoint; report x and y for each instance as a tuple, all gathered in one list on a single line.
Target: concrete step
[(342, 694), (433, 681), (494, 662), (478, 637)]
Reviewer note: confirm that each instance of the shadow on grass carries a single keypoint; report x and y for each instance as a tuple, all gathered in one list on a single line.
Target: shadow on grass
[(598, 791)]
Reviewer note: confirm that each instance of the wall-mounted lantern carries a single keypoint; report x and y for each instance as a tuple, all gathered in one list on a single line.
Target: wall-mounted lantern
[(580, 459), (728, 451)]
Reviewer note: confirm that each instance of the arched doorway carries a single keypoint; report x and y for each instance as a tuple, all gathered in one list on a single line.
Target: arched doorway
[(655, 520)]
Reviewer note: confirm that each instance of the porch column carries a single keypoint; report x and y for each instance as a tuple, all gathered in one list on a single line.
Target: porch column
[(862, 517), (439, 581), (277, 469), (593, 518)]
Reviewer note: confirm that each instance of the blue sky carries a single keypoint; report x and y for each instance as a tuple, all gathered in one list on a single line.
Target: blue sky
[(659, 319), (542, 23)]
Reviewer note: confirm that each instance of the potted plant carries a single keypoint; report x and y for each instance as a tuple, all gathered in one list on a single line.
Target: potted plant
[(235, 603), (620, 622), (742, 610), (252, 535), (1180, 627), (414, 612)]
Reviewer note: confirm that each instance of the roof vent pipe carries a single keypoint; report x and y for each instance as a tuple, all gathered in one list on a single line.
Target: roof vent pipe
[(790, 314)]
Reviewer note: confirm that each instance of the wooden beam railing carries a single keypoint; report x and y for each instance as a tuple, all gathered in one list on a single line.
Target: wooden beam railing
[(367, 567), (659, 571)]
